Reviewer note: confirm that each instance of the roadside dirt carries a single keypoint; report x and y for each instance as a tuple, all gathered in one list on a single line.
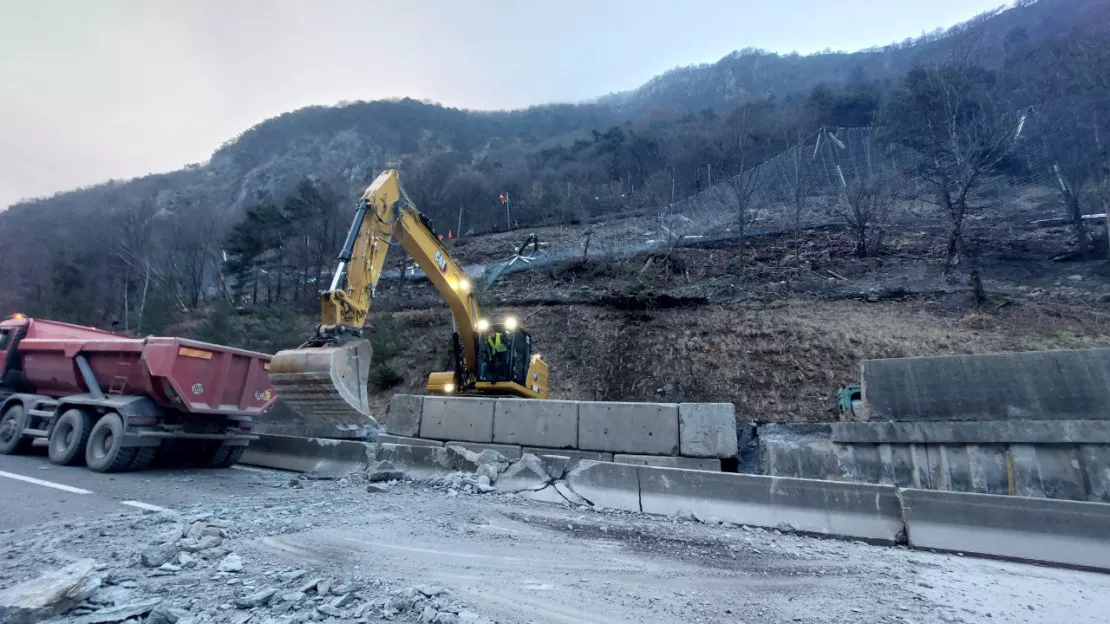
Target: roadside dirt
[(515, 561)]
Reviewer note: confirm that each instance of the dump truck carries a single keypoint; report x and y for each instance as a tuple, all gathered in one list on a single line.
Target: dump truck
[(113, 403)]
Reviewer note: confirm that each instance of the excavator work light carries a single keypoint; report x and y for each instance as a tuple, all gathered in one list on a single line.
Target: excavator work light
[(510, 323), (483, 324), (464, 285), (449, 388)]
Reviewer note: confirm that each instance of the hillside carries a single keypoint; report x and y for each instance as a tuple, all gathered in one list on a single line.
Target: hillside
[(751, 228)]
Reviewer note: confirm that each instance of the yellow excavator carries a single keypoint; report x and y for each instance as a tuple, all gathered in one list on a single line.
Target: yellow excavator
[(325, 380)]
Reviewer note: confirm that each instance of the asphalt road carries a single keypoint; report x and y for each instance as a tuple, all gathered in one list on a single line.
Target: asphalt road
[(33, 490)]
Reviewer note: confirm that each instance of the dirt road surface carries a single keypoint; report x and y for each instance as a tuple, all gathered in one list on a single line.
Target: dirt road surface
[(494, 557)]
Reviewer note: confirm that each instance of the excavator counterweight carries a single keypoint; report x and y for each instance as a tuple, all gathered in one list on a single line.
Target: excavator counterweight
[(325, 380)]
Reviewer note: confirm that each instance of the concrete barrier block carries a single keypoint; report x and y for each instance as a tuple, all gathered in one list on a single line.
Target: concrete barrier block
[(670, 461), (1031, 529), (509, 451), (854, 510), (574, 455), (396, 439), (415, 460), (403, 416), (707, 429), (1036, 385), (1095, 459), (552, 424), (606, 484), (972, 432), (316, 455), (457, 418), (643, 428)]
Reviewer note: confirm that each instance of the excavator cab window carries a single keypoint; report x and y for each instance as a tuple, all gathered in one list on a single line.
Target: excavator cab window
[(503, 355)]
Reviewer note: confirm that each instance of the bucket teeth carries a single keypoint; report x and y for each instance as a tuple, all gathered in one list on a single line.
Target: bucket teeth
[(324, 391)]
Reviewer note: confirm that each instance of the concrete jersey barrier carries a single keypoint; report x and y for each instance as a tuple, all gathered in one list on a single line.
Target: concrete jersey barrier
[(854, 510), (318, 455), (1070, 533)]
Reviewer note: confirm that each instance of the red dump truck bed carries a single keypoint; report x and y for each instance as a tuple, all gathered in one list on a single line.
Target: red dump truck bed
[(176, 373)]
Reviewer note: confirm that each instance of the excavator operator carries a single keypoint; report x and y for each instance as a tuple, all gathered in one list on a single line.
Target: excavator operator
[(498, 353)]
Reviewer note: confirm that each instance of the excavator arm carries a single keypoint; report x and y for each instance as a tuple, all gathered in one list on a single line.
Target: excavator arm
[(326, 378)]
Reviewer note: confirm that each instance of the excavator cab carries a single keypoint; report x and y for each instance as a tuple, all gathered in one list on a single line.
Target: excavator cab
[(503, 355)]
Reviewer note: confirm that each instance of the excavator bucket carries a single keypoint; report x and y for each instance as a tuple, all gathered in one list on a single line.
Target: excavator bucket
[(321, 392)]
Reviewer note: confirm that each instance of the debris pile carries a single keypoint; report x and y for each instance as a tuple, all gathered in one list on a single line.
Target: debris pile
[(191, 572)]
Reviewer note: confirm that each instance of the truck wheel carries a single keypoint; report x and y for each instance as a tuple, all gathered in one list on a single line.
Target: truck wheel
[(143, 456), (105, 451), (12, 424), (226, 456), (69, 437)]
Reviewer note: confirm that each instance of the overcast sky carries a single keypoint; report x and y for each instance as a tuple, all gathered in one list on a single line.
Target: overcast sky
[(98, 89)]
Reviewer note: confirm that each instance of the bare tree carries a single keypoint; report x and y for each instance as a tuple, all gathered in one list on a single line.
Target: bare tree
[(952, 119), (867, 206)]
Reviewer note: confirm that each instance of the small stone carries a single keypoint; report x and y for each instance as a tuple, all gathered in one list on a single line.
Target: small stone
[(342, 600), (166, 615), (428, 615), (323, 587), (231, 563), (169, 567), (375, 488), (446, 618), (294, 575), (328, 610), (257, 599), (157, 555), (310, 586), (119, 614), (293, 597)]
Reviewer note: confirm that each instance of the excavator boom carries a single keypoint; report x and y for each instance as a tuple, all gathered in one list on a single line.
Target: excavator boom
[(324, 381)]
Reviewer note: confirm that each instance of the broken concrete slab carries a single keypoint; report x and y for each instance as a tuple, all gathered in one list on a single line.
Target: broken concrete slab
[(643, 428), (551, 424), (670, 461), (573, 455), (526, 474), (854, 510), (386, 438), (508, 451), (403, 415), (707, 429), (320, 456), (465, 460), (49, 594), (605, 484), (457, 418), (415, 461), (118, 614)]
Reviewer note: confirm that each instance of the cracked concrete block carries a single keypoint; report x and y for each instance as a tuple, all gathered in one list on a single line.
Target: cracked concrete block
[(555, 465), (457, 418), (546, 494), (508, 451), (605, 484), (414, 461), (551, 424), (573, 455), (855, 510), (529, 473), (670, 461), (707, 429), (403, 415), (396, 439), (460, 458), (643, 428)]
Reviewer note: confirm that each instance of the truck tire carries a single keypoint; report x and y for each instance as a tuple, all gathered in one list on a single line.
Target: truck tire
[(143, 456), (226, 456), (69, 437), (105, 451), (12, 424)]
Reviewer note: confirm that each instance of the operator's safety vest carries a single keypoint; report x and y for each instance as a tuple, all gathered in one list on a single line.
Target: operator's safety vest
[(495, 345)]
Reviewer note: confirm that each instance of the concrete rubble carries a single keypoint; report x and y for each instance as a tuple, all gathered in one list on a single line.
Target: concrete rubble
[(170, 569)]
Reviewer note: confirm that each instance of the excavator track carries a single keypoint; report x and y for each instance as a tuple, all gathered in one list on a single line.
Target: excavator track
[(322, 392)]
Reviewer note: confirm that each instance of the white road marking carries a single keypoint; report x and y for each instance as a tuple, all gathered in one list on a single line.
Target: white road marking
[(141, 505), (49, 484)]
